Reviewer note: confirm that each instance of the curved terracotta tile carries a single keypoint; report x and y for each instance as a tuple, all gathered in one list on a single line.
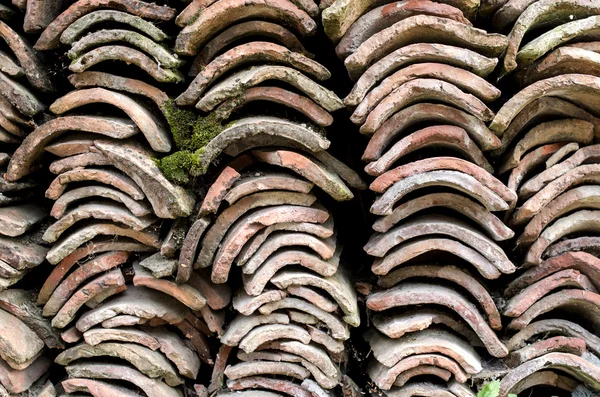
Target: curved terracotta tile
[(235, 238), (538, 182), (255, 368), (563, 60), (571, 299), (315, 297), (36, 73), (105, 176), (103, 211), (463, 79), (339, 330), (386, 180), (17, 381), (184, 293), (264, 334), (572, 278), (546, 378), (50, 37), (83, 160), (280, 96), (252, 383), (69, 310), (310, 353), (506, 12), (338, 286), (324, 248), (107, 37), (581, 261), (189, 249), (477, 213), (228, 217), (250, 52), (423, 90), (398, 324), (567, 130), (149, 125), (248, 78), (20, 346), (218, 16), (238, 32), (341, 14), (416, 28), (580, 221), (95, 370), (578, 175), (74, 240), (580, 244), (218, 296), (150, 363), (147, 303), (92, 267), (79, 27), (577, 88), (452, 274), (270, 128), (422, 370), (557, 344), (112, 82), (573, 365), (581, 197), (538, 14), (241, 325), (168, 200), (20, 98), (25, 157), (441, 135), (391, 351), (137, 208), (556, 327), (385, 377), (538, 111), (265, 181), (308, 168), (530, 161), (420, 293), (419, 246), (415, 53), (100, 388), (40, 13), (255, 282), (386, 15), (98, 246), (380, 244), (384, 204)]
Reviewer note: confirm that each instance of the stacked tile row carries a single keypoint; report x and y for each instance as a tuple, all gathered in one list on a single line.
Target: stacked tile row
[(422, 88), (549, 129), (112, 239), (26, 336), (265, 215)]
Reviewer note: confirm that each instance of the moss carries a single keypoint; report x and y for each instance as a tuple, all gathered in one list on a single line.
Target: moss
[(191, 132), (194, 17)]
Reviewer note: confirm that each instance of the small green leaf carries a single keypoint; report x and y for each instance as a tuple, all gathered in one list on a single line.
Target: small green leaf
[(491, 389)]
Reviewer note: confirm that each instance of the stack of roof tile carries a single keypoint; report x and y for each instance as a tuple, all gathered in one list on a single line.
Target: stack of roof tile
[(548, 130), (262, 214), (22, 76), (262, 211), (420, 69)]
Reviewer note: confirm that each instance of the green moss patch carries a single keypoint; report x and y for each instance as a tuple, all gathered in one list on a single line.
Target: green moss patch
[(191, 132)]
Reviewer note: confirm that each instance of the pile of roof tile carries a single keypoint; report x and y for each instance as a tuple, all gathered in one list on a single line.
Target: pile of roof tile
[(22, 74), (262, 212), (297, 299), (548, 128), (422, 98)]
